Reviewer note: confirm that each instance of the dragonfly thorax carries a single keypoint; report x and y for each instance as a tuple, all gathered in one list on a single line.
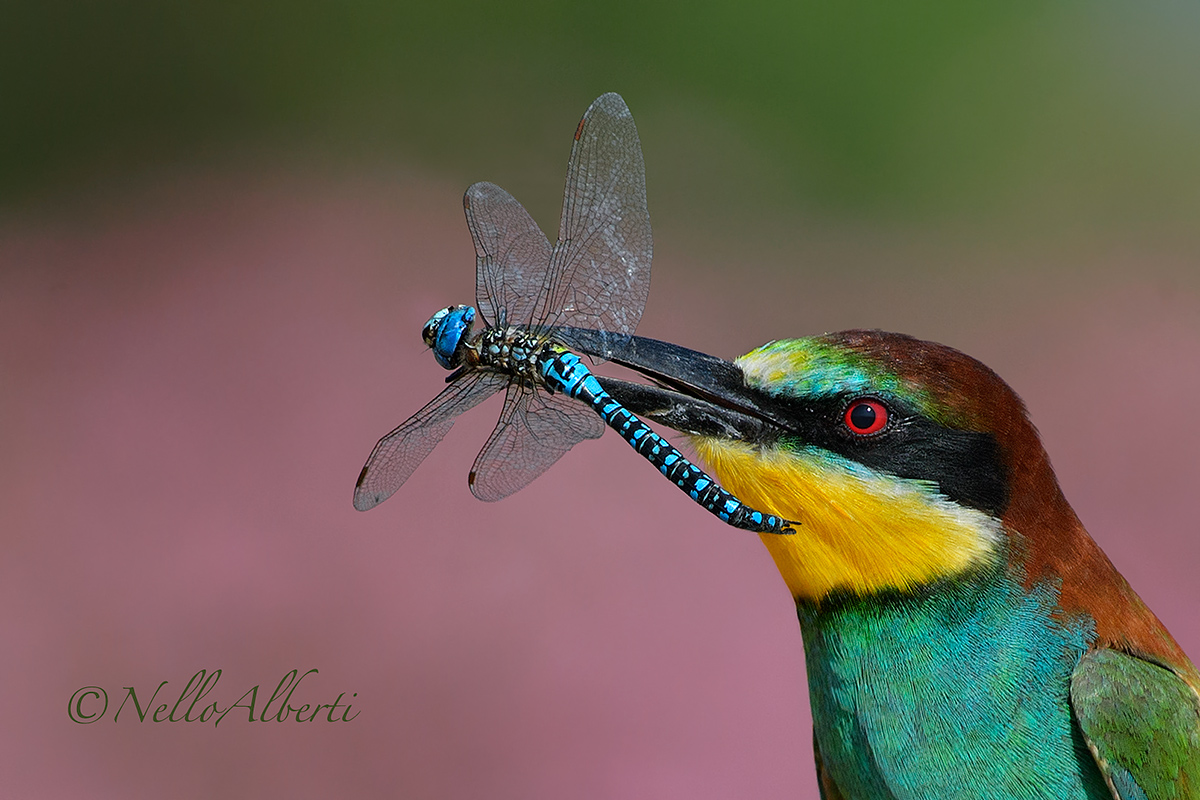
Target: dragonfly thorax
[(514, 351)]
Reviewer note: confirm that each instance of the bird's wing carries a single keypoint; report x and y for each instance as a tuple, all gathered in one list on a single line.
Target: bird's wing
[(1142, 723)]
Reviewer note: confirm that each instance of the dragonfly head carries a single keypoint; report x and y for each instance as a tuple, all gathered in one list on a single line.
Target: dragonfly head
[(446, 331)]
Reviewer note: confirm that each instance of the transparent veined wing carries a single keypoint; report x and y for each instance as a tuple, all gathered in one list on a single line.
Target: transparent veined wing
[(512, 255), (401, 451), (535, 430), (596, 276), (599, 276)]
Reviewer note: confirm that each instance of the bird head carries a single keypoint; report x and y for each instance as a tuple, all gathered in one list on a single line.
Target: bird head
[(902, 459), (906, 462)]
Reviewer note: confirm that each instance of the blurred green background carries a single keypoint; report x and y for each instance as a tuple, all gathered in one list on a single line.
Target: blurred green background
[(1024, 118)]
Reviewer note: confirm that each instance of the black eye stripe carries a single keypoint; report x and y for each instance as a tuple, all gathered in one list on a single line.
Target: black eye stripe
[(967, 466)]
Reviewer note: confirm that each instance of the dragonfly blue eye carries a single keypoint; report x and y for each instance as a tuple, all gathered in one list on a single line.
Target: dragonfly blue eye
[(429, 332), (446, 330)]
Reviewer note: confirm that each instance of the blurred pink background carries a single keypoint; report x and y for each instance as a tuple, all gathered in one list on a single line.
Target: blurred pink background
[(195, 369)]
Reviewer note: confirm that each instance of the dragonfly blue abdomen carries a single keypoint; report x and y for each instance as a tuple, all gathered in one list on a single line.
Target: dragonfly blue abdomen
[(563, 371)]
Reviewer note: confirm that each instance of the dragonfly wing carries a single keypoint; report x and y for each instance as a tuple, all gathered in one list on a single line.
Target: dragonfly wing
[(398, 454), (600, 269), (512, 255), (534, 431)]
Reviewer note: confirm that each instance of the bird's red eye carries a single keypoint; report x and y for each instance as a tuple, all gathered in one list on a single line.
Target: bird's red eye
[(865, 417)]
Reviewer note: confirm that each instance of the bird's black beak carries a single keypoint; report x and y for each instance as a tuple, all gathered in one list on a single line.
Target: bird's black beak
[(695, 393)]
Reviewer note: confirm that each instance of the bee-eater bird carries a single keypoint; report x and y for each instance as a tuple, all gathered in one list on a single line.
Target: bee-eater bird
[(964, 635)]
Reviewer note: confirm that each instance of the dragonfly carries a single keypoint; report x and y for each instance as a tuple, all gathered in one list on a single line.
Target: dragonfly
[(538, 303)]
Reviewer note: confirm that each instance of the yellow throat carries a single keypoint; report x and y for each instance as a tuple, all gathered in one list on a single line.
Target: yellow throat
[(860, 530)]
